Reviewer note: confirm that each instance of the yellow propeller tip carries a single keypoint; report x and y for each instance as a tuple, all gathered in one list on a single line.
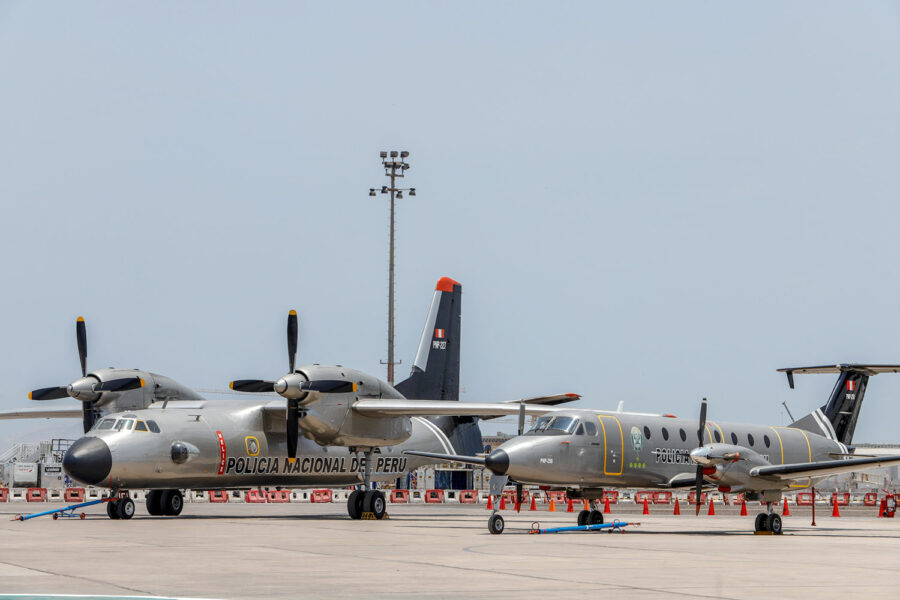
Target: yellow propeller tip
[(293, 313), (231, 385), (292, 460), (29, 396), (355, 387), (81, 319), (143, 383)]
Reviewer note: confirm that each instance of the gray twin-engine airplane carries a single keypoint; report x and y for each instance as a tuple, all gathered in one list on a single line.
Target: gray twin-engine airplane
[(585, 451), (155, 433)]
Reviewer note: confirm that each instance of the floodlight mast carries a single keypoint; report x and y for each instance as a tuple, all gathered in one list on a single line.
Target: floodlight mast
[(393, 168)]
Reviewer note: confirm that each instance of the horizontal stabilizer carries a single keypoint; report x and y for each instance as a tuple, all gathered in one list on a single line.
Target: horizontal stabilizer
[(824, 468), (470, 460), (428, 408), (854, 367)]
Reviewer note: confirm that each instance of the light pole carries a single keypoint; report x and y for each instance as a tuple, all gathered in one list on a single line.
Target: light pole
[(393, 168)]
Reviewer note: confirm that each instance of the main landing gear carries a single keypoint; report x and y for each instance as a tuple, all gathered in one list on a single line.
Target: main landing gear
[(165, 502), (769, 521), (592, 516), (367, 503)]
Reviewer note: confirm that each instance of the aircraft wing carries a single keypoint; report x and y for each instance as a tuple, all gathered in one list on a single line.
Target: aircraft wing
[(824, 468), (470, 460), (486, 410), (41, 413)]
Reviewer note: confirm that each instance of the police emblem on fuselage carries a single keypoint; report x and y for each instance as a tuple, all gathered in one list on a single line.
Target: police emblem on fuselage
[(252, 445), (637, 440)]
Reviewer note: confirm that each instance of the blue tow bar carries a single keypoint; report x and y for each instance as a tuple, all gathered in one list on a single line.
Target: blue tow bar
[(614, 526), (66, 511)]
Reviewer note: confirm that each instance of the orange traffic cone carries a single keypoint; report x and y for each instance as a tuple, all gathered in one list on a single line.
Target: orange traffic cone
[(533, 504), (646, 507), (786, 511), (502, 502), (518, 505), (836, 511), (743, 507), (712, 508), (606, 505), (571, 508), (587, 505), (552, 506), (677, 510), (490, 505)]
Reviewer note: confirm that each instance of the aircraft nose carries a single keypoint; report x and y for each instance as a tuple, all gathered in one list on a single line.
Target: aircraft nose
[(88, 460), (497, 462)]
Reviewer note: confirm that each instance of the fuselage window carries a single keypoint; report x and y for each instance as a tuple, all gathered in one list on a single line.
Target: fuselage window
[(750, 438), (734, 438), (106, 424), (590, 428), (716, 435), (665, 433), (140, 426), (766, 441), (646, 432), (682, 434), (153, 426), (580, 430)]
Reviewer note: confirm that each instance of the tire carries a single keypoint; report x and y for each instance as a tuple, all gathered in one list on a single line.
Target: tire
[(82, 515), (373, 502), (773, 523), (125, 508), (583, 517), (55, 516), (595, 517), (355, 504), (496, 524), (172, 502), (761, 522), (153, 502), (112, 509)]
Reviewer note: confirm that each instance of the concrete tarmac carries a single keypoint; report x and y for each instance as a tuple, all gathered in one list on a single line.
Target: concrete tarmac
[(445, 551)]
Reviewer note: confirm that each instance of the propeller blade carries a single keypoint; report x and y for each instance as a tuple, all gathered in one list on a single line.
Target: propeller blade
[(702, 422), (292, 335), (252, 385), (50, 393), (329, 386), (89, 415), (81, 336), (120, 385), (699, 490), (293, 428)]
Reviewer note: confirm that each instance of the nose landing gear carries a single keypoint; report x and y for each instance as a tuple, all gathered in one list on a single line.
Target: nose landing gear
[(120, 508), (768, 522)]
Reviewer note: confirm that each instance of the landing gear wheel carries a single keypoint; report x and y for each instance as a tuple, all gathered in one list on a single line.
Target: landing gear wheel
[(355, 504), (55, 516), (496, 524), (82, 515), (773, 523), (373, 502), (583, 517), (172, 502), (761, 522), (153, 504), (112, 509), (595, 517), (125, 508)]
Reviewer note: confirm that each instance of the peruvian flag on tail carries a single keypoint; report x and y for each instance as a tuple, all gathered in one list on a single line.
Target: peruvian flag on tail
[(440, 334), (851, 385)]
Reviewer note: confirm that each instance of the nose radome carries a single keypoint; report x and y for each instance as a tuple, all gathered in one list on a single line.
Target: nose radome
[(88, 460), (497, 462)]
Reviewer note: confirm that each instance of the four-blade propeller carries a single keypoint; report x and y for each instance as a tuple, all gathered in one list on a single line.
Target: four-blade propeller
[(294, 387)]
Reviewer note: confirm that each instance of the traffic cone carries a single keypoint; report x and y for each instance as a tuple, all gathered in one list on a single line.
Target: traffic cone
[(502, 502), (835, 511), (646, 507), (490, 505), (677, 510), (571, 508), (786, 511), (712, 508), (533, 503), (606, 505), (743, 507), (587, 505), (552, 506)]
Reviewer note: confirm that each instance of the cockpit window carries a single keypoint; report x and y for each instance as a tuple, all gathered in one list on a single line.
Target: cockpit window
[(580, 430), (540, 424), (124, 424), (140, 426), (153, 426), (105, 424), (590, 428), (555, 425)]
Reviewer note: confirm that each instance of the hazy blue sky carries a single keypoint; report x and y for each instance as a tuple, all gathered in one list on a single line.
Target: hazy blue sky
[(648, 202)]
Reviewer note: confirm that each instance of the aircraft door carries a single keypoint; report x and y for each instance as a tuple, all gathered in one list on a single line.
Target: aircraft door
[(613, 444)]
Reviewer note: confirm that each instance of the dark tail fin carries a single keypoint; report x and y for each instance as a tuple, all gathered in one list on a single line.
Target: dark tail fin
[(435, 373), (837, 419)]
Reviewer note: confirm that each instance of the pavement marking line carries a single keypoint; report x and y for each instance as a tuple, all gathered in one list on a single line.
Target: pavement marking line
[(82, 578)]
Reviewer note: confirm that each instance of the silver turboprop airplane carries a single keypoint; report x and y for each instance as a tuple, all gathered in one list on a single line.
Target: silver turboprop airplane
[(585, 451), (160, 435)]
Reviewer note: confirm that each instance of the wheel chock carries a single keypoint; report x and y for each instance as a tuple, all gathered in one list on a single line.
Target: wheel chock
[(368, 516)]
